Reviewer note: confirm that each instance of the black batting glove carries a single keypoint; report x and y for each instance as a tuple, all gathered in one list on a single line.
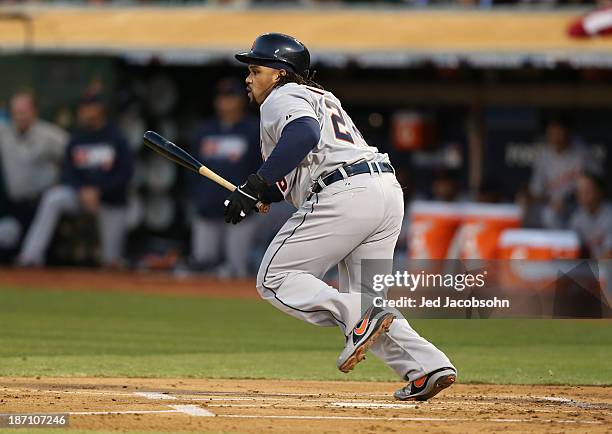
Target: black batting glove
[(242, 201)]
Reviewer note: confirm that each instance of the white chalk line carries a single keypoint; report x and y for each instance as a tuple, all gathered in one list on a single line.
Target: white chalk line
[(551, 399), (409, 419), (525, 400), (556, 399), (155, 395), (300, 402), (221, 394), (190, 397), (315, 417), (321, 400), (317, 402), (372, 405), (232, 399), (239, 395), (73, 392), (357, 404), (196, 396), (91, 413), (190, 410), (574, 403), (381, 405)]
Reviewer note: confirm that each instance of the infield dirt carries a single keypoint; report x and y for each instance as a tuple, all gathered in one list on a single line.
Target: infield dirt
[(255, 406), (278, 406)]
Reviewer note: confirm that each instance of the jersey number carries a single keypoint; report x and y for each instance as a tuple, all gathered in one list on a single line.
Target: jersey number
[(282, 185), (338, 122)]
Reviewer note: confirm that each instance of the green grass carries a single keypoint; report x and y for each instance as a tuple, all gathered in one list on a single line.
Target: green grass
[(110, 334)]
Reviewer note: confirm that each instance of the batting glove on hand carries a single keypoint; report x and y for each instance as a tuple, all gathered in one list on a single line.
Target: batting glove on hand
[(242, 201)]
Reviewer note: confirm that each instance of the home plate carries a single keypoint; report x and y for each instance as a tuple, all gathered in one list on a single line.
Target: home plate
[(193, 410), (371, 404)]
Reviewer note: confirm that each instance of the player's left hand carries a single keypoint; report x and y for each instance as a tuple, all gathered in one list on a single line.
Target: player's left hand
[(241, 202)]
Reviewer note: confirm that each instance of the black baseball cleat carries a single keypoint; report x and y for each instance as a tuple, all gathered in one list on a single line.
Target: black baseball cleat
[(372, 324), (427, 386)]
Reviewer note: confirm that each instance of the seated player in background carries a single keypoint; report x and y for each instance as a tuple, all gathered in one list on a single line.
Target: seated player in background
[(593, 218), (97, 168), (227, 143), (31, 153), (553, 179)]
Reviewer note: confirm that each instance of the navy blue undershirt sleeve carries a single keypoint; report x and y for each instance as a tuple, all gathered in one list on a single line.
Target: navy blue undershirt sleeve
[(272, 194), (297, 140)]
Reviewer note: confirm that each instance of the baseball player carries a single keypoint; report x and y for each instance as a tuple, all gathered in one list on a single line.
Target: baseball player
[(349, 207), (98, 165)]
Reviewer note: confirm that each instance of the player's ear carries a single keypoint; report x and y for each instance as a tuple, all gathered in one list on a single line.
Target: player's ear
[(281, 73)]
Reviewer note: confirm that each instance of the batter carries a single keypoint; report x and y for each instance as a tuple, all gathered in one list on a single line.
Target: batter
[(349, 207)]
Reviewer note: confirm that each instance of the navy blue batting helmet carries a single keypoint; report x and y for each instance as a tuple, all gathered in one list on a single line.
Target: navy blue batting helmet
[(276, 50)]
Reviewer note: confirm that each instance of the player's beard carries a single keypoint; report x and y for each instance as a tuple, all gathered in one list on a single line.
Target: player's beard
[(252, 101), (266, 93), (251, 96)]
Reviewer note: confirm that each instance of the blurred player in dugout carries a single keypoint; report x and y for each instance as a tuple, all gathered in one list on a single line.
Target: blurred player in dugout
[(592, 221), (31, 152), (227, 143), (555, 173), (97, 168)]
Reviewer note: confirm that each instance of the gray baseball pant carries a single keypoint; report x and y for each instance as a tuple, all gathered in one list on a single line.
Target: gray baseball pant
[(350, 220), (208, 235), (112, 226), (10, 231)]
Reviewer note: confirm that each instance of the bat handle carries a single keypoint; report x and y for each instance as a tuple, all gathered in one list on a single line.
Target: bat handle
[(205, 171)]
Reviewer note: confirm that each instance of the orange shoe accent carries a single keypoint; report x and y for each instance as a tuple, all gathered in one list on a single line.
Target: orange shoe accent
[(361, 328), (420, 381)]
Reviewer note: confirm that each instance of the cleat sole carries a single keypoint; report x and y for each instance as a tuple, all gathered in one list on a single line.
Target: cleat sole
[(360, 352), (441, 384)]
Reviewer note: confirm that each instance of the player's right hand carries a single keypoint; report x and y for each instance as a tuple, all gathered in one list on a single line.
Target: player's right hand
[(242, 201)]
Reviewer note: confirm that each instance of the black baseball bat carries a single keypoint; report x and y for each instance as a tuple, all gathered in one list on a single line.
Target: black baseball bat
[(174, 153)]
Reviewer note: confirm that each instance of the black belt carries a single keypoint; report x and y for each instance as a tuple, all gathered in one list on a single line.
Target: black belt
[(352, 170)]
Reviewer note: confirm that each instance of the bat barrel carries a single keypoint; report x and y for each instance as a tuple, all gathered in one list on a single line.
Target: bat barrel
[(174, 153)]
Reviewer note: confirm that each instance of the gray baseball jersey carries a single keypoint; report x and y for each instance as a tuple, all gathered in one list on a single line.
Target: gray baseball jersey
[(595, 230), (340, 144), (554, 174), (346, 222), (31, 161)]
